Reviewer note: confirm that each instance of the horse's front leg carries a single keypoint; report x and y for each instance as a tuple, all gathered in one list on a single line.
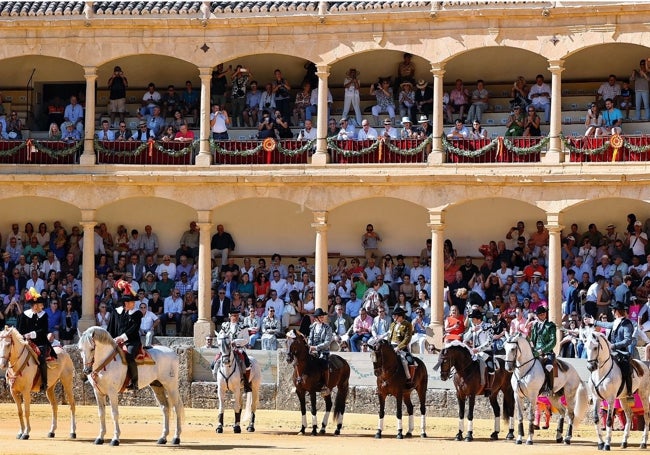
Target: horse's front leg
[(609, 423), (236, 392), (565, 412), (461, 418), (398, 415), (101, 411), (520, 418), (314, 421), (531, 420), (409, 410), (382, 408), (55, 410), (27, 399), (18, 399), (469, 437), (303, 410), (116, 419), (221, 396), (597, 423), (496, 410), (328, 409)]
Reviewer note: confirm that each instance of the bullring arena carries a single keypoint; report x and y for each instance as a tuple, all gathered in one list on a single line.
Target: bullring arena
[(313, 197)]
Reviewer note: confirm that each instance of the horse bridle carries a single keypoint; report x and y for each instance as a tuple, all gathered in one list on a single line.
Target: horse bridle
[(595, 361), (5, 357), (514, 361)]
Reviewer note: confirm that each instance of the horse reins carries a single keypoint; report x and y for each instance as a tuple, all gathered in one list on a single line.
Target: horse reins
[(611, 367), (518, 377), (17, 372)]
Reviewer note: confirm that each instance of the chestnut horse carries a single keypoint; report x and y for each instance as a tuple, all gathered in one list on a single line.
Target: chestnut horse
[(467, 381), (307, 378), (391, 380)]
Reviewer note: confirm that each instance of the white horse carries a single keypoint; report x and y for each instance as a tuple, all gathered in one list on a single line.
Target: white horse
[(527, 380), (227, 372), (107, 374), (21, 366), (606, 383)]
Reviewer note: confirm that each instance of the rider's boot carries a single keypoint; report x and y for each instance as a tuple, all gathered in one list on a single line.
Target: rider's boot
[(133, 373), (409, 381), (42, 367)]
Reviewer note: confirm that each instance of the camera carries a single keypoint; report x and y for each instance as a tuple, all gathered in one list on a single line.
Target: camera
[(243, 70)]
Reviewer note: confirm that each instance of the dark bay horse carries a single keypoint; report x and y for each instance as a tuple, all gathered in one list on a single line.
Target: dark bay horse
[(391, 380), (307, 378), (467, 380)]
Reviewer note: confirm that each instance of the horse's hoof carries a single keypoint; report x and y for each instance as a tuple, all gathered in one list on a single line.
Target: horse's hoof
[(623, 445), (161, 441), (510, 436), (423, 435), (302, 430), (50, 434), (558, 439), (378, 434), (399, 436), (114, 443), (601, 446), (337, 432), (176, 441), (529, 443), (250, 428), (408, 435), (518, 442), (24, 437), (98, 441), (236, 429), (314, 431), (219, 429), (607, 447), (73, 435), (567, 442), (459, 436), (469, 438), (494, 436), (322, 431), (643, 445)]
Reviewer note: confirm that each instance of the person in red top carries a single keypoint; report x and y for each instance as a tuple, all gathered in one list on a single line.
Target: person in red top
[(184, 134), (454, 325), (533, 267)]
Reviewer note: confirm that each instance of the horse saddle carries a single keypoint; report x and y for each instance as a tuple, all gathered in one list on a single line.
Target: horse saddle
[(141, 358), (335, 362), (35, 352)]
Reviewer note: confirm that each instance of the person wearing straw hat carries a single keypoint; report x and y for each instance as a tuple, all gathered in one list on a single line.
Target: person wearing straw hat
[(351, 96), (423, 97), (33, 325), (319, 340), (424, 127), (407, 100), (407, 131)]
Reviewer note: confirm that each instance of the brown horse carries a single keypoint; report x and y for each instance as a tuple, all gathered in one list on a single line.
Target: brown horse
[(308, 378), (467, 380), (391, 380)]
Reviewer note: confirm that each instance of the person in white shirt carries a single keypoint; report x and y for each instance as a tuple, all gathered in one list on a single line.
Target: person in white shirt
[(148, 323), (313, 109), (459, 131), (351, 85), (347, 130), (219, 122), (276, 303), (308, 132), (389, 132), (105, 134), (366, 132), (540, 96)]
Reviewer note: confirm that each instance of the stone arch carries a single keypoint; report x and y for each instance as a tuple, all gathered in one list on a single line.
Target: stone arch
[(36, 209), (591, 211), (622, 58), (140, 69)]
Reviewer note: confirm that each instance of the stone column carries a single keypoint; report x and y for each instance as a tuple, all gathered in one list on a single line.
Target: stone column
[(88, 270), (437, 226), (88, 157), (204, 325), (554, 154), (320, 157), (320, 259), (204, 158), (437, 155), (554, 269)]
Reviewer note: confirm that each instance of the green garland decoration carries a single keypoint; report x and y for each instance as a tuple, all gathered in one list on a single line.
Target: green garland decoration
[(449, 147), (12, 151), (309, 145), (585, 151), (56, 154), (537, 148), (409, 152), (635, 148), (143, 146), (331, 144), (175, 153), (247, 152)]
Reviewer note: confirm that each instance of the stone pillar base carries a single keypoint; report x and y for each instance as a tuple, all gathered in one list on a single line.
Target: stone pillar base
[(87, 160), (202, 329), (438, 331), (319, 159), (203, 160), (85, 322), (435, 157)]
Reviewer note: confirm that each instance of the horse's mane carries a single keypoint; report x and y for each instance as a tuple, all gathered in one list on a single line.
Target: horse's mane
[(458, 344), (99, 335), (15, 334)]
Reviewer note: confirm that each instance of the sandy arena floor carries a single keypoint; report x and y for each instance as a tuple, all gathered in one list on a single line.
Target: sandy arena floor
[(276, 433)]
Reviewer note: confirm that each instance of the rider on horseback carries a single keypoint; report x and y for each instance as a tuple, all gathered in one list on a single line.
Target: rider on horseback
[(480, 337), (33, 325), (320, 337), (124, 327), (239, 335), (543, 338), (623, 342), (399, 335)]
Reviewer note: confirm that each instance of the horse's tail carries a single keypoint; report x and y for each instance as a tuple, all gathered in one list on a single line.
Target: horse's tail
[(508, 400), (581, 405), (343, 388)]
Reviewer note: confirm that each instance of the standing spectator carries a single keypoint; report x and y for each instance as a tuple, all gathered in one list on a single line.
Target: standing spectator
[(351, 84), (519, 93), (117, 85), (239, 80), (640, 79), (423, 98), (370, 242), (68, 322), (172, 310), (219, 122), (405, 70), (149, 244), (281, 89), (251, 111), (219, 84), (479, 105), (540, 96), (190, 102), (222, 244)]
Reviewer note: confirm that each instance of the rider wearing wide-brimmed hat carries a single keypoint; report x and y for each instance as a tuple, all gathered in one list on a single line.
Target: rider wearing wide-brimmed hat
[(481, 337), (399, 335), (124, 327), (319, 340), (238, 333)]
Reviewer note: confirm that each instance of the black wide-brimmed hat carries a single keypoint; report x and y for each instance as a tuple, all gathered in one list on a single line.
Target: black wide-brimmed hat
[(399, 311), (319, 312), (541, 310)]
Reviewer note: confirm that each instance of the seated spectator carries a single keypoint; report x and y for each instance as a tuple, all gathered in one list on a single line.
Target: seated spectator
[(613, 119), (271, 329), (169, 134), (308, 132), (123, 133), (424, 127), (281, 126), (70, 135), (342, 325), (423, 97), (608, 90), (408, 132), (531, 124), (54, 133), (302, 104), (383, 93), (477, 131), (519, 93), (253, 97), (105, 134), (625, 100), (312, 110), (347, 131), (515, 123), (459, 131), (189, 315), (150, 99), (479, 105), (458, 101), (265, 127), (190, 102), (177, 121), (389, 132), (407, 100), (420, 322), (366, 132), (156, 122), (74, 113), (142, 134), (540, 97), (170, 101), (594, 121), (360, 330), (172, 310), (184, 134)]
